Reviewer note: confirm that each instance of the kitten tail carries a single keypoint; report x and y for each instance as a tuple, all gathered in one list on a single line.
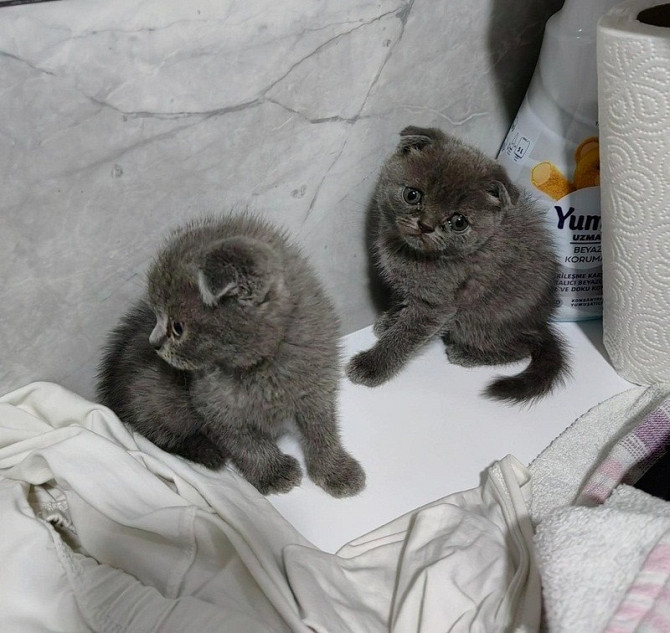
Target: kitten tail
[(548, 368)]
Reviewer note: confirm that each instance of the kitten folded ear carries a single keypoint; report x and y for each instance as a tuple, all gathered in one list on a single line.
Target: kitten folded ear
[(240, 267), (413, 137), (502, 193)]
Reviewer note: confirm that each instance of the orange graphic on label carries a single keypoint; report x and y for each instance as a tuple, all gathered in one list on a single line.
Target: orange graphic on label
[(587, 164), (546, 177)]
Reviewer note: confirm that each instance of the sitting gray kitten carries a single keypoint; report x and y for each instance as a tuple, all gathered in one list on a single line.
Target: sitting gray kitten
[(235, 339), (468, 258)]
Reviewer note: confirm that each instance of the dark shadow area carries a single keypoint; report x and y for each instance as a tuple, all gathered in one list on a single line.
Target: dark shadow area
[(514, 39), (656, 16), (656, 480), (380, 294), (13, 3)]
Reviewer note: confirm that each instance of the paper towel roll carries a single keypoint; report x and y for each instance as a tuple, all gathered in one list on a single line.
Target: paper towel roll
[(634, 116)]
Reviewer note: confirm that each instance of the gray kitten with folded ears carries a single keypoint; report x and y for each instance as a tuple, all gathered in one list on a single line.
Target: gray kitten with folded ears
[(235, 342), (468, 258)]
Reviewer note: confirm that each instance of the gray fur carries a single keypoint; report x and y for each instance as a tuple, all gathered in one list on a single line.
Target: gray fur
[(235, 339), (487, 290)]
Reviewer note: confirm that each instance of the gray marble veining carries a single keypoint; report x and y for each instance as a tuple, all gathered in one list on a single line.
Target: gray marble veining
[(119, 120)]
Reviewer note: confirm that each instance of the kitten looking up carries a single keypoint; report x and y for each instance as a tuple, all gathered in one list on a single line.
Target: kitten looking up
[(467, 258), (234, 339)]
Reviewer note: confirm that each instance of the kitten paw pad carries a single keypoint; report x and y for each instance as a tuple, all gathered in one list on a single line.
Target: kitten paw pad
[(345, 479), (281, 478), (364, 369)]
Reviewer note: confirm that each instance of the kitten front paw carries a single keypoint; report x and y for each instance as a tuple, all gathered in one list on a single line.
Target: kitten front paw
[(365, 369), (345, 479), (281, 477)]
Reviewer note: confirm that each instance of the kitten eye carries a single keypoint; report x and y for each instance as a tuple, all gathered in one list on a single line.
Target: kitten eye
[(177, 329), (411, 196), (458, 222)]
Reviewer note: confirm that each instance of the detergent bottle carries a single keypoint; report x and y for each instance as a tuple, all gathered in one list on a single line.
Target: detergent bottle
[(552, 151)]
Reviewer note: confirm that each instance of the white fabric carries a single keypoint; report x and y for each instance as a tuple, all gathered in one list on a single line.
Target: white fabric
[(102, 531)]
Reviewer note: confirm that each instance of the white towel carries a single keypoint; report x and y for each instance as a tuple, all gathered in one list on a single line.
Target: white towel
[(589, 558), (605, 568), (562, 469)]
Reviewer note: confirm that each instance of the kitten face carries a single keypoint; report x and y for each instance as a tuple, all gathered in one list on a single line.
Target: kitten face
[(177, 336), (430, 225), (223, 304), (442, 198)]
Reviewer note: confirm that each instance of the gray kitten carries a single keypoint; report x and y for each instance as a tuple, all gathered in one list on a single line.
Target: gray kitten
[(467, 258), (235, 339)]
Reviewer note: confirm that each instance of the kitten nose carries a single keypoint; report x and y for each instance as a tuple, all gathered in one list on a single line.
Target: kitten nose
[(156, 344), (425, 228)]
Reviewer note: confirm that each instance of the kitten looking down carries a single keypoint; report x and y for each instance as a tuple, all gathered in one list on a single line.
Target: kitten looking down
[(235, 339), (467, 258)]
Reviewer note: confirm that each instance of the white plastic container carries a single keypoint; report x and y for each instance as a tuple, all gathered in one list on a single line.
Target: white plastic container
[(552, 150)]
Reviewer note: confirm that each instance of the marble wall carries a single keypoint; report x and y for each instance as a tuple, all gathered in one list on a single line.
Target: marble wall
[(120, 119)]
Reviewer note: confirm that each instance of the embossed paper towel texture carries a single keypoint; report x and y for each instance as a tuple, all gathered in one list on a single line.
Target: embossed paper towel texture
[(634, 114)]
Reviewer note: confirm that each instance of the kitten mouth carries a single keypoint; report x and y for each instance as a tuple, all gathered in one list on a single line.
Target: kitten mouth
[(420, 242)]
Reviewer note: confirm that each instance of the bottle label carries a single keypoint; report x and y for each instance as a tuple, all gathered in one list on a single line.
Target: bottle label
[(576, 227), (564, 177)]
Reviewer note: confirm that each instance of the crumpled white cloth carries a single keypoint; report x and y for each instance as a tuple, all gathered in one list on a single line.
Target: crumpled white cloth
[(102, 531)]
